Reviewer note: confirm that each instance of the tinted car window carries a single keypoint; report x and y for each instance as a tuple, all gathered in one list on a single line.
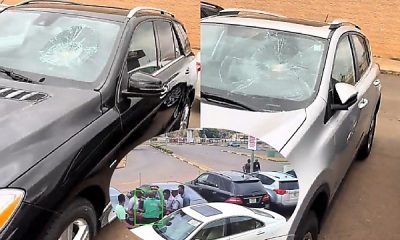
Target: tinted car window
[(167, 46), (142, 51), (178, 51), (243, 224), (248, 187), (343, 67), (289, 185), (215, 180), (265, 180), (225, 185), (361, 53), (213, 230), (183, 38), (203, 178)]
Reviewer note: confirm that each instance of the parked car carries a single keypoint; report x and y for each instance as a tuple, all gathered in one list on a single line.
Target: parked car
[(194, 197), (80, 86), (214, 221), (309, 89), (231, 187), (209, 9), (282, 188), (233, 144)]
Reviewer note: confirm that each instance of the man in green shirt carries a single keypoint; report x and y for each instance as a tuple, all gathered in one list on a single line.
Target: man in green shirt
[(152, 208), (120, 210)]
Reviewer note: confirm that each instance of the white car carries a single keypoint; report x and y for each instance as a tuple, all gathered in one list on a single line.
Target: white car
[(282, 188), (214, 221)]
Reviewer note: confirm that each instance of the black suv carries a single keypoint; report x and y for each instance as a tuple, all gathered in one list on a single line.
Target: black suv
[(80, 86), (232, 187), (209, 9)]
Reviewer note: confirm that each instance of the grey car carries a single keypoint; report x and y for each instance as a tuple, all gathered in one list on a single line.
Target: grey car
[(309, 89)]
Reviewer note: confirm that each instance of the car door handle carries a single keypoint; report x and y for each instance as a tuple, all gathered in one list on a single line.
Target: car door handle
[(214, 192), (187, 71), (260, 233), (363, 103), (377, 82)]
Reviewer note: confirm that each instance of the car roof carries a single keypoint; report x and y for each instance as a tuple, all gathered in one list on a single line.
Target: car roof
[(279, 176), (98, 11), (307, 27), (236, 176), (211, 211)]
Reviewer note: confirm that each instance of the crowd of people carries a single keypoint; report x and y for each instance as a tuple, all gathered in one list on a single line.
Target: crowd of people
[(149, 206)]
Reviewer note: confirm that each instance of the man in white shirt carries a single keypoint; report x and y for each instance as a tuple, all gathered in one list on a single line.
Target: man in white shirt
[(178, 201), (168, 199)]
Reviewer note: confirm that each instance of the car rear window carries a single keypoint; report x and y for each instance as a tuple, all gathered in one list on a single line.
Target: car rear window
[(289, 185), (249, 187)]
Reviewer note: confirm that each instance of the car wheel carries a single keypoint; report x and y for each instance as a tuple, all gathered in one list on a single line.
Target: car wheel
[(366, 146), (308, 230), (76, 221), (183, 123)]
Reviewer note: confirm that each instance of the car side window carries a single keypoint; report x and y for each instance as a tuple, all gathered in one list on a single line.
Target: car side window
[(362, 54), (343, 66), (243, 224), (213, 230), (142, 54), (265, 180), (202, 178), (225, 185), (214, 180), (167, 45), (183, 38)]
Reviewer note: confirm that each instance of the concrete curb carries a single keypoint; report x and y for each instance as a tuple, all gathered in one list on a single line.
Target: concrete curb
[(182, 159), (257, 156)]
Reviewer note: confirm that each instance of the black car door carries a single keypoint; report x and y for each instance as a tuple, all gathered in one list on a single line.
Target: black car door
[(175, 71), (201, 185)]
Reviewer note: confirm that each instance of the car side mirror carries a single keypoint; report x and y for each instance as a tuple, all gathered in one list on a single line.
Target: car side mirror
[(347, 94), (136, 54), (144, 85)]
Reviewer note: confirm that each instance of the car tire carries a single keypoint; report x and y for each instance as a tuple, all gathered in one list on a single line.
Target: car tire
[(308, 229), (78, 217), (183, 122), (365, 148)]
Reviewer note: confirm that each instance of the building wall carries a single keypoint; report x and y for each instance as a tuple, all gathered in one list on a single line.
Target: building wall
[(378, 19), (187, 11)]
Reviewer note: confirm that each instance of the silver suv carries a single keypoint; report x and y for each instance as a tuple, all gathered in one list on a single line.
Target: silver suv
[(282, 188), (309, 89)]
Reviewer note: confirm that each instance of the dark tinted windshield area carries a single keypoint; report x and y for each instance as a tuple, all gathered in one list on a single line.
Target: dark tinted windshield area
[(261, 68), (248, 188), (56, 46)]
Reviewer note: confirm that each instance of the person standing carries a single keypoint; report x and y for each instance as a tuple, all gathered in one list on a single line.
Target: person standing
[(185, 197), (256, 166), (152, 208), (246, 167), (120, 211), (169, 199), (178, 201)]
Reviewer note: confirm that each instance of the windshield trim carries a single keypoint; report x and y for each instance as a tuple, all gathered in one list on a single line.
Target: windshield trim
[(326, 43)]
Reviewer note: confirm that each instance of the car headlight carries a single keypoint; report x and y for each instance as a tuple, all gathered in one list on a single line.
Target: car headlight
[(10, 200)]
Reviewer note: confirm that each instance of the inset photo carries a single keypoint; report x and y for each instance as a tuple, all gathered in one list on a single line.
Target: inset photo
[(194, 183)]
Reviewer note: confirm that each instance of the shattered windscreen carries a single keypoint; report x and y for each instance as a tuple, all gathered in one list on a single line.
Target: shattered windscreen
[(262, 68), (56, 45)]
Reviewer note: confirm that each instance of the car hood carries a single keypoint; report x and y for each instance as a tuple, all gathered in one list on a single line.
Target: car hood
[(146, 233), (274, 128), (32, 130)]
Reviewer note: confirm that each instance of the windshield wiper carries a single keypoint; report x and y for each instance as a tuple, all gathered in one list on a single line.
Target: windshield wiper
[(18, 77), (224, 100)]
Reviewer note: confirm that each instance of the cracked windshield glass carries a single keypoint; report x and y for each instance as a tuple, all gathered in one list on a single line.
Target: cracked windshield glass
[(56, 45), (262, 69)]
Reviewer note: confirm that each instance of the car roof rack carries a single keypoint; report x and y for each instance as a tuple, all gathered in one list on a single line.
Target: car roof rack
[(337, 23), (236, 11), (136, 10), (211, 4), (64, 2)]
